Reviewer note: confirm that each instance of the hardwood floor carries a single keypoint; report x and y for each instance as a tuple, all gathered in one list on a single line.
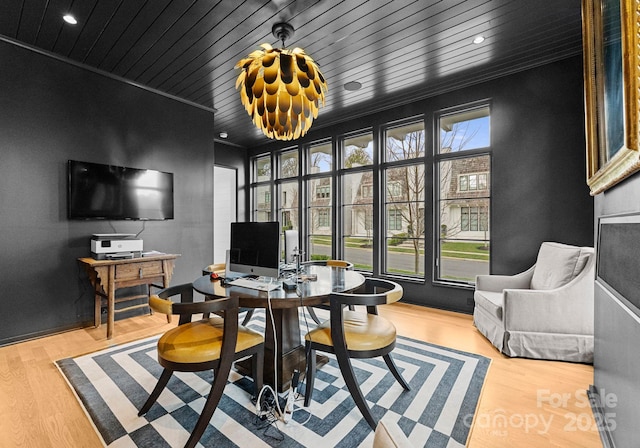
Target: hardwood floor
[(524, 402)]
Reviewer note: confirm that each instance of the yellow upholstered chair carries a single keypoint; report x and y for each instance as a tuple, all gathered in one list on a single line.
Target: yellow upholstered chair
[(354, 334), (340, 264), (206, 344), (218, 268)]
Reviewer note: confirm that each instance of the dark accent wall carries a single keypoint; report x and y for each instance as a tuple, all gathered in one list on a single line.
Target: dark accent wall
[(52, 111), (538, 186), (617, 324)]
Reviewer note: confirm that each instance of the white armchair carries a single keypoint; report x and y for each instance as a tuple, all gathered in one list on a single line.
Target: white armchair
[(545, 312)]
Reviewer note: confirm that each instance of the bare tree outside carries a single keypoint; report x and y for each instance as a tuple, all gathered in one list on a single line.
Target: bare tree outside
[(405, 188), (464, 195)]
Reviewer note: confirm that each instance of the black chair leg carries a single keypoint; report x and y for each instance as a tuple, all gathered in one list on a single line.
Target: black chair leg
[(310, 375), (217, 388), (354, 388), (394, 370), (160, 385), (247, 317), (313, 315)]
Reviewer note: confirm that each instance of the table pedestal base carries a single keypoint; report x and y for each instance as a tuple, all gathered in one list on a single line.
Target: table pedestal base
[(283, 351), (292, 360)]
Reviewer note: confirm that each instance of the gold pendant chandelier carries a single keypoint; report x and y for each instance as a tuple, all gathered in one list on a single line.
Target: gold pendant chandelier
[(281, 89)]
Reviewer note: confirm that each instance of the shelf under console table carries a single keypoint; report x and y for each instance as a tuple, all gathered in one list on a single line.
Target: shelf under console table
[(107, 276)]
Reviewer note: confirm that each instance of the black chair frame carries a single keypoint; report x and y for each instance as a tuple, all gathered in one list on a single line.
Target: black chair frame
[(368, 296), (228, 307), (248, 311), (310, 309)]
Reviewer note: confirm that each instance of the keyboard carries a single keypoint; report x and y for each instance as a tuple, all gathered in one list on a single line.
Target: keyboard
[(254, 284), (288, 267)]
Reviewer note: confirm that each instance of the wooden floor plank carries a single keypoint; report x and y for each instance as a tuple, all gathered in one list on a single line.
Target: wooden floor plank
[(524, 402)]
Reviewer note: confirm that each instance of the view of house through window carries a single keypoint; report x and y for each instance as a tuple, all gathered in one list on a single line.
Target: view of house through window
[(333, 196), (404, 188), (288, 205), (320, 192), (357, 200), (464, 196), (261, 191)]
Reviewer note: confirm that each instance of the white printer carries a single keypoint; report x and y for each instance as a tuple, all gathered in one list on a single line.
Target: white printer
[(114, 246)]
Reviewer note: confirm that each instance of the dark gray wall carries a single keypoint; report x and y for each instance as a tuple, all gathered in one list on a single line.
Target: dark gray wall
[(539, 191), (617, 332), (52, 111)]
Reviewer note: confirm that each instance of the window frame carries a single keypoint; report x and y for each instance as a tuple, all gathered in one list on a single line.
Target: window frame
[(385, 201), (426, 157), (438, 158)]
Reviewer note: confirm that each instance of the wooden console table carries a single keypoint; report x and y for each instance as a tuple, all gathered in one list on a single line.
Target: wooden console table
[(106, 276)]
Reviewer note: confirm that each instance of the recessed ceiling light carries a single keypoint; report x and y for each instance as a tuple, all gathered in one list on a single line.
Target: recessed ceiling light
[(70, 19), (352, 86), (478, 39), (223, 135)]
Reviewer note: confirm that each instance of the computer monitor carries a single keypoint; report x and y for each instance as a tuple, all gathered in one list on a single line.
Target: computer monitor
[(291, 245), (229, 274), (255, 248)]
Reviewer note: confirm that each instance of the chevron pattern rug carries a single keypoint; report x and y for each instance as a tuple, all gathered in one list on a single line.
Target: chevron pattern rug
[(438, 411)]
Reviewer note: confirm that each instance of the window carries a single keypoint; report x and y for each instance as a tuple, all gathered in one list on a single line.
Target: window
[(394, 221), (286, 220), (320, 158), (472, 182), (288, 163), (463, 165), (261, 188), (415, 175), (394, 189), (319, 218), (357, 214), (318, 182), (262, 170), (404, 198), (405, 142), (323, 192), (324, 217), (473, 219), (262, 203), (358, 150), (288, 205)]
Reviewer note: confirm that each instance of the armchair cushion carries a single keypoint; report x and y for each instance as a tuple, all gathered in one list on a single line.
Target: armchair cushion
[(556, 266), (490, 301)]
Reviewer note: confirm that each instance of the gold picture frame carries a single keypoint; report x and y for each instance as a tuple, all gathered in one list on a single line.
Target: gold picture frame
[(611, 39)]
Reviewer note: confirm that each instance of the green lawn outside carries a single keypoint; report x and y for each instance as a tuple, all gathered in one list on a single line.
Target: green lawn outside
[(454, 249)]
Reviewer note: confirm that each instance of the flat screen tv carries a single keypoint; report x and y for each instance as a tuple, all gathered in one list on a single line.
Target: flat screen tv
[(255, 248), (97, 191)]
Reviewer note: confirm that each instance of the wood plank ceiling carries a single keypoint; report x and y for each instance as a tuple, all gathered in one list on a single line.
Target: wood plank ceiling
[(399, 50)]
